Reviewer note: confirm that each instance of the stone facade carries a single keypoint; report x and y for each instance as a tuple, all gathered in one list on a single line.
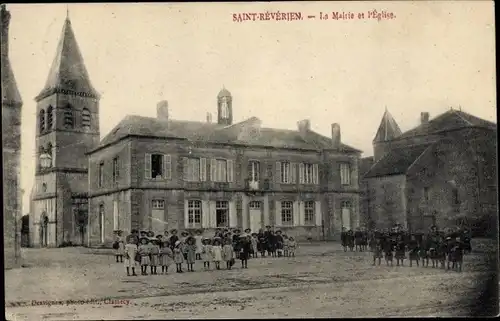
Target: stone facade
[(11, 152), (442, 172)]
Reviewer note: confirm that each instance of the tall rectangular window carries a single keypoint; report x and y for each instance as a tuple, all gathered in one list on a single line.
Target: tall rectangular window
[(345, 173), (194, 213), (254, 171), (222, 213), (309, 208), (157, 166), (221, 170), (308, 174), (100, 182), (116, 170), (101, 223), (287, 213), (285, 173), (426, 194), (193, 170)]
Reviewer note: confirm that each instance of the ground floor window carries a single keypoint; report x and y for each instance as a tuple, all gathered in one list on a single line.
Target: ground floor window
[(222, 213), (194, 213), (287, 213), (309, 212)]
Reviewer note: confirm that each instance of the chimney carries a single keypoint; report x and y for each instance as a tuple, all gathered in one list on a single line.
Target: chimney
[(5, 32), (304, 126), (209, 118), (336, 138), (162, 110), (424, 117)]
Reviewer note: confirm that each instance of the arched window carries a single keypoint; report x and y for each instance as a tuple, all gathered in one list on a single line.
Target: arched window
[(86, 119), (50, 117), (101, 223), (42, 120), (68, 117)]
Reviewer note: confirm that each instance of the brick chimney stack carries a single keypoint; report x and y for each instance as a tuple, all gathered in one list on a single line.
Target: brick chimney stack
[(336, 138), (424, 117), (303, 127), (162, 110)]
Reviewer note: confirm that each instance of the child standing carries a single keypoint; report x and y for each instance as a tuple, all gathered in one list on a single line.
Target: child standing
[(120, 247), (279, 243), (166, 257), (155, 252), (376, 247), (178, 256), (285, 245), (173, 238), (206, 253), (199, 244), (245, 248), (130, 253), (144, 253), (255, 243), (217, 253), (190, 249), (228, 254), (292, 245)]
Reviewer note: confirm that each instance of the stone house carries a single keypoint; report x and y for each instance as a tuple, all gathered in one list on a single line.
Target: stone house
[(441, 172)]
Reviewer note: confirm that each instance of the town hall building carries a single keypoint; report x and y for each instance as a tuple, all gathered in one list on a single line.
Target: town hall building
[(160, 173)]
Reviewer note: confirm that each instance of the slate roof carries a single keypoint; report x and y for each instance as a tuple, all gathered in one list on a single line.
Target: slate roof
[(224, 93), (68, 72), (397, 161), (210, 132), (10, 93), (388, 128), (450, 120)]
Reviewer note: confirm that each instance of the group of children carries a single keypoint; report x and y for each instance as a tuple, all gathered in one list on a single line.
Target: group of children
[(144, 249)]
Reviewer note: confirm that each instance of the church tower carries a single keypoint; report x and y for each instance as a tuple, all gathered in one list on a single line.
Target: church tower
[(224, 107), (387, 131), (11, 150), (67, 127)]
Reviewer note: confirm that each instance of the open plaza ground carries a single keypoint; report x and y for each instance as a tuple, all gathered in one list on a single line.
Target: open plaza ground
[(321, 281)]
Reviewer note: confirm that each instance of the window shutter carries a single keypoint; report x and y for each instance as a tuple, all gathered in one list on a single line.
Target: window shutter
[(185, 168), (147, 166), (186, 214), (116, 224), (205, 214), (317, 213), (203, 169), (250, 172), (302, 214), (301, 173), (213, 170), (316, 174), (230, 168), (266, 211), (278, 172), (233, 218), (277, 219), (293, 173), (167, 166), (296, 212), (213, 214)]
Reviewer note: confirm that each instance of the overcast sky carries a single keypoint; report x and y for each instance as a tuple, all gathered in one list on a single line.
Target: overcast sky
[(431, 57)]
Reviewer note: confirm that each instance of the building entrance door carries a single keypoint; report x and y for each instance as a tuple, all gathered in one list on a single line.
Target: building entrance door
[(346, 218), (255, 214)]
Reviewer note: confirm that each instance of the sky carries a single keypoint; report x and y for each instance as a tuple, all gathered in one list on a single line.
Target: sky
[(432, 56)]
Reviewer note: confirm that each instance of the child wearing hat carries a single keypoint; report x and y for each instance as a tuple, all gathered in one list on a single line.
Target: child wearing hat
[(190, 249), (228, 254), (292, 245), (184, 236), (155, 255), (245, 248), (144, 249), (206, 253), (217, 253), (279, 243), (255, 243), (166, 256), (173, 238), (178, 256), (130, 253), (199, 244)]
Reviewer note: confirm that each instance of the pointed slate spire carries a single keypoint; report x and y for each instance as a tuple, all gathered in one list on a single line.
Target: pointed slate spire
[(10, 93), (68, 73), (388, 128)]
